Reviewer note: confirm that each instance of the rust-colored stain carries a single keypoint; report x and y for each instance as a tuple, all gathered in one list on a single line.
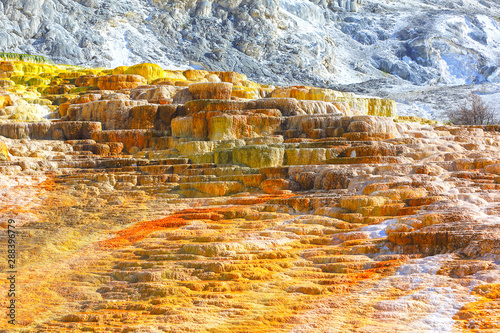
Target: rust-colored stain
[(48, 185), (141, 230)]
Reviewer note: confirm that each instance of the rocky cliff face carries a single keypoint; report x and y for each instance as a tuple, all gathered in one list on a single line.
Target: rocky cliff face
[(286, 41)]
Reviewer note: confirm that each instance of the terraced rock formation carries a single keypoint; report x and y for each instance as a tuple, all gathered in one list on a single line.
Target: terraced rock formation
[(196, 201)]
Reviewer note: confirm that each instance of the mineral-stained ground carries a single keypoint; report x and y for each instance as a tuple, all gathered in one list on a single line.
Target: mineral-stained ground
[(194, 201)]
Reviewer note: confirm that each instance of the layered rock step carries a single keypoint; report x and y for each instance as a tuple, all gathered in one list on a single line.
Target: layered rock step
[(200, 201), (64, 130)]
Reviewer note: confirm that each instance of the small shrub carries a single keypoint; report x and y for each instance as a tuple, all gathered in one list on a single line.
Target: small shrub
[(24, 57), (473, 112)]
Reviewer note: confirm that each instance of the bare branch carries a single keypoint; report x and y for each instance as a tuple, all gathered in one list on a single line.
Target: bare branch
[(473, 112)]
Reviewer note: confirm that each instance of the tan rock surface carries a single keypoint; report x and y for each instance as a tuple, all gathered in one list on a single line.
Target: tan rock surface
[(299, 212), (120, 81)]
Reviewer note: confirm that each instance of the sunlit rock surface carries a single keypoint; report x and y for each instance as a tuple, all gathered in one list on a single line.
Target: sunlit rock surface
[(195, 201)]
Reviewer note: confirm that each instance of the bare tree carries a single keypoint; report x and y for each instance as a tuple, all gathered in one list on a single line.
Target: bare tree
[(473, 112)]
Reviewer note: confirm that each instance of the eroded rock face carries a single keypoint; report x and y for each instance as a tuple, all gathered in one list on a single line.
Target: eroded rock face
[(226, 214), (4, 153), (355, 40), (211, 90), (120, 81)]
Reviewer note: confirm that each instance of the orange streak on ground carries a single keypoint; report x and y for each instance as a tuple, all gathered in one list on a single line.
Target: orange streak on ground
[(143, 229), (257, 199), (47, 185)]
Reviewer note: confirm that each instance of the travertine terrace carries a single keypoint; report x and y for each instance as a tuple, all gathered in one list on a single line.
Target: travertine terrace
[(191, 201)]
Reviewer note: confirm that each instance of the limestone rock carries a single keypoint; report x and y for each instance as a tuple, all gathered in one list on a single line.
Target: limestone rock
[(195, 74), (287, 106), (308, 156), (182, 96), (143, 117), (4, 152), (275, 186), (70, 130), (86, 80), (292, 211), (214, 188), (231, 77), (195, 147), (113, 114), (196, 106), (129, 138), (156, 94), (120, 81), (223, 126), (374, 125), (6, 99), (211, 90), (165, 115), (259, 156), (494, 168), (190, 127), (86, 98), (146, 70)]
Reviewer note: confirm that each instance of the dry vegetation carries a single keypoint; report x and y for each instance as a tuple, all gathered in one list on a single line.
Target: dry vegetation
[(473, 112)]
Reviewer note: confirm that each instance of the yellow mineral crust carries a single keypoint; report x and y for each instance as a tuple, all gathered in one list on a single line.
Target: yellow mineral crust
[(148, 71), (364, 105), (4, 152), (198, 201)]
